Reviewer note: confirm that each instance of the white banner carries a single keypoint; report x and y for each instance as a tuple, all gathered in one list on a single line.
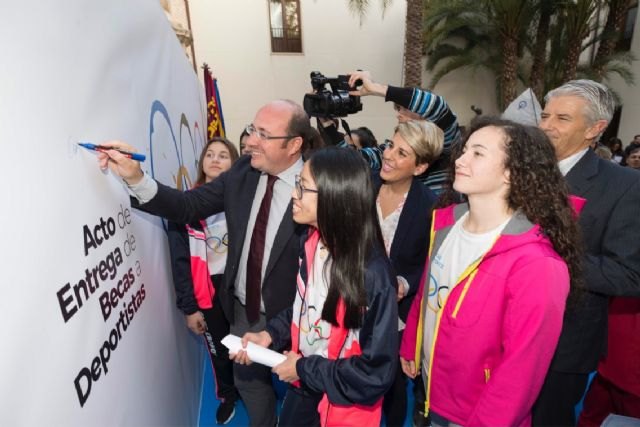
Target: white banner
[(88, 326)]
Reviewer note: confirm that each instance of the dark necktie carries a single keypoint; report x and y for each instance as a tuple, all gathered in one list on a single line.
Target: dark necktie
[(256, 254)]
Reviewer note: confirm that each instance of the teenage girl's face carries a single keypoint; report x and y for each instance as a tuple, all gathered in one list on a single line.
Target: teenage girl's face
[(216, 160), (305, 206), (399, 162), (480, 170)]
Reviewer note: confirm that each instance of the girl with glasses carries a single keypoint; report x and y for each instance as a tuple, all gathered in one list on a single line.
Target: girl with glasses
[(342, 329)]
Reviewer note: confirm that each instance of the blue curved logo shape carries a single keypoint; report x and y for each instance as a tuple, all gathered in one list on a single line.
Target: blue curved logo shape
[(184, 123), (158, 107)]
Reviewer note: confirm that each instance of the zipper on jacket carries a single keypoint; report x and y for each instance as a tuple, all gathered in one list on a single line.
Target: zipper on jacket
[(417, 353), (470, 271), (433, 349), (463, 294), (487, 375)]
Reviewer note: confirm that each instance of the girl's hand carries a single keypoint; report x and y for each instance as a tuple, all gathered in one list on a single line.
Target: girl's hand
[(196, 322), (408, 367), (261, 338), (286, 371)]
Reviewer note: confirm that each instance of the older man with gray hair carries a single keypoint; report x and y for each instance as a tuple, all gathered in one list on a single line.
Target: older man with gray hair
[(575, 115)]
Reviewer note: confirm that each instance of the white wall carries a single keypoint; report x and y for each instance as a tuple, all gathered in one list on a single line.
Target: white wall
[(629, 125), (233, 37)]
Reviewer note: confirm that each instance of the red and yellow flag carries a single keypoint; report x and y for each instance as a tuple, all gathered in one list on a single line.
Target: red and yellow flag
[(215, 120)]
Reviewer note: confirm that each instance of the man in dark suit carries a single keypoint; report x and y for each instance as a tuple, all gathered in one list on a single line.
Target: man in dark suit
[(576, 114), (254, 194)]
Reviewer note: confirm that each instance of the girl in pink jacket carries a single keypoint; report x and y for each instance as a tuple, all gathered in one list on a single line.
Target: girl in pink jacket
[(487, 318)]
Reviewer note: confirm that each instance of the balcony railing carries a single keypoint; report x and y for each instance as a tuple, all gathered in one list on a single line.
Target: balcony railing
[(285, 40)]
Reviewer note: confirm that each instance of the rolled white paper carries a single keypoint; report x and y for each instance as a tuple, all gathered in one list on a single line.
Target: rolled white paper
[(256, 353)]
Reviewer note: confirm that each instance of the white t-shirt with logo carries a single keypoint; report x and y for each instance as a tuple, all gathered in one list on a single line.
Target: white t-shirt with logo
[(458, 251)]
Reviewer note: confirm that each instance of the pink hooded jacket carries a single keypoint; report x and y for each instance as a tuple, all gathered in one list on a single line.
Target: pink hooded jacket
[(497, 330)]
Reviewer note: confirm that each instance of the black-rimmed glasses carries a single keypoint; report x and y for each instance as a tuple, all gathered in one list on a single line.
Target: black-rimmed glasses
[(300, 189)]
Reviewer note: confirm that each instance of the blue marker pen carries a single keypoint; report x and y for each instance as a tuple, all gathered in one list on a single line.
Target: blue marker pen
[(134, 156)]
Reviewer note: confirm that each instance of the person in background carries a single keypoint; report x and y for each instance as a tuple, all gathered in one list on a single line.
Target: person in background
[(362, 137), (489, 311), (574, 115), (404, 212), (198, 258), (615, 145), (632, 156), (243, 142), (342, 327), (604, 152)]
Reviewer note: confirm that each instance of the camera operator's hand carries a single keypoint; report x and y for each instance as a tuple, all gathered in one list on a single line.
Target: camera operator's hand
[(326, 122), (368, 87)]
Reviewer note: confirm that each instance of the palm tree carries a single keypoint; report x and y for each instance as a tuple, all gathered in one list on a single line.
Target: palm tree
[(512, 18), (459, 35), (478, 34), (610, 35), (493, 35), (576, 17), (546, 9), (413, 41)]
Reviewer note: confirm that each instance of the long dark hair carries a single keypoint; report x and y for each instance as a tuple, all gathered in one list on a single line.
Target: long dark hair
[(348, 226), (233, 152), (537, 189)]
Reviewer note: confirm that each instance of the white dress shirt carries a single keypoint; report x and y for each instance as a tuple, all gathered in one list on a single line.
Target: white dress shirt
[(282, 189), (565, 165)]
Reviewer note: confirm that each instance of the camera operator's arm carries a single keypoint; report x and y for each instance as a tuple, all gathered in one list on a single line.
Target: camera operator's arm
[(424, 103), (430, 107), (372, 155)]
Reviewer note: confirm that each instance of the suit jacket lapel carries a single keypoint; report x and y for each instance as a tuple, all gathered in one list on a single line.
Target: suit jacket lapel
[(244, 208), (409, 211), (285, 230), (580, 177)]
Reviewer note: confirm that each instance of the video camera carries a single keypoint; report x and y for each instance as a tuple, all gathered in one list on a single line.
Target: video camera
[(331, 103)]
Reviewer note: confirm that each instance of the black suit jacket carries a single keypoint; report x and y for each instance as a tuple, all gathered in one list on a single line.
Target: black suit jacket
[(610, 224), (410, 244), (233, 193)]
